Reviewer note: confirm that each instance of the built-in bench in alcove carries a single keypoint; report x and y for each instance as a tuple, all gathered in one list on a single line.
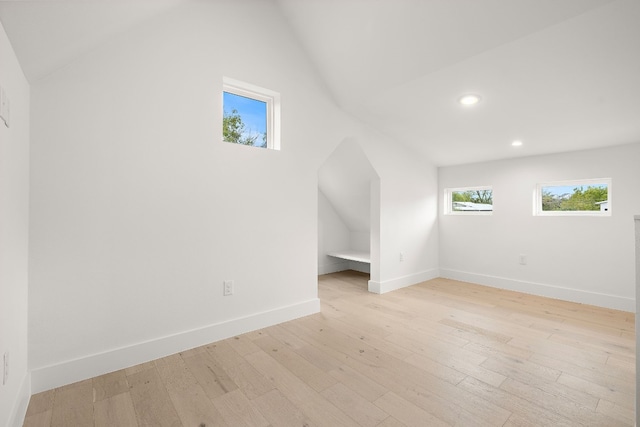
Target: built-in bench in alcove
[(348, 212), (357, 256)]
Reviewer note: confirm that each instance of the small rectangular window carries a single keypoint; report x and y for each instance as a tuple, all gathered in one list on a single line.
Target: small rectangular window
[(470, 200), (578, 197), (251, 115)]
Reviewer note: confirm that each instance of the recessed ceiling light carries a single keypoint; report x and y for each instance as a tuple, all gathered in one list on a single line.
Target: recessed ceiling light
[(469, 99), (516, 143)]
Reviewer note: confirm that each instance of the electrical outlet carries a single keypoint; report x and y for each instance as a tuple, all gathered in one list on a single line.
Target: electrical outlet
[(228, 288), (5, 369), (401, 256), (523, 259)]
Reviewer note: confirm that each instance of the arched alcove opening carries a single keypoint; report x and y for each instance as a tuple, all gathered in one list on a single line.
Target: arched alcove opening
[(348, 212)]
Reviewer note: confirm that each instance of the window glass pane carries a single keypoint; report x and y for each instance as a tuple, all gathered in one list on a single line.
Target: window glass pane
[(244, 120), (572, 198), (480, 200)]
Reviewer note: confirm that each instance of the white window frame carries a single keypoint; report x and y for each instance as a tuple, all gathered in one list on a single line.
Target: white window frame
[(448, 200), (537, 197), (269, 97)]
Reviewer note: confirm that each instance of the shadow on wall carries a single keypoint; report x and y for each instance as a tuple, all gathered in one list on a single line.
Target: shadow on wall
[(348, 210)]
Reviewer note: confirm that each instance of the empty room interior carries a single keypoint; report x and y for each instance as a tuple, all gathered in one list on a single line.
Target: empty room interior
[(319, 213)]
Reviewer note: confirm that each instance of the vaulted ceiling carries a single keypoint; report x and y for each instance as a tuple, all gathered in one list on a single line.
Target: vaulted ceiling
[(559, 75)]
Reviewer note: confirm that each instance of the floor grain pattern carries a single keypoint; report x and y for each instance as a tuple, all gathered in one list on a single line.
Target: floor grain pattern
[(441, 352)]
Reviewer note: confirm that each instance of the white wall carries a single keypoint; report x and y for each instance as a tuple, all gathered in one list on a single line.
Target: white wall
[(408, 217), (333, 236), (344, 179), (403, 207), (14, 235), (360, 240), (582, 259), (140, 211)]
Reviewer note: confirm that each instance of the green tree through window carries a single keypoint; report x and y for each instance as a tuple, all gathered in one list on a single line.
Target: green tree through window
[(234, 130), (473, 196), (244, 120), (581, 198), (469, 200)]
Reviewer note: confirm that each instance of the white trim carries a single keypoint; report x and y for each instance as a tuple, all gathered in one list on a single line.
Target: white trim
[(537, 197), (49, 377), (402, 282), (550, 291), (448, 200), (270, 97), (19, 409)]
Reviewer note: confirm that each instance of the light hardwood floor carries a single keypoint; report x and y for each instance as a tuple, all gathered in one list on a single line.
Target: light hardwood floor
[(435, 354)]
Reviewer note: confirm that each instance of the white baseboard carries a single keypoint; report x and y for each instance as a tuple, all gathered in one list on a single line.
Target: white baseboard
[(19, 410), (402, 282), (333, 267), (551, 291), (48, 377)]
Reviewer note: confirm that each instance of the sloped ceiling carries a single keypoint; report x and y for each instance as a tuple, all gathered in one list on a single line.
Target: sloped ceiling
[(559, 75), (365, 47), (47, 35)]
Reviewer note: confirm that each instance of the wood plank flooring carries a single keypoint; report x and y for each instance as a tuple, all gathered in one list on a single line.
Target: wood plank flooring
[(441, 353)]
